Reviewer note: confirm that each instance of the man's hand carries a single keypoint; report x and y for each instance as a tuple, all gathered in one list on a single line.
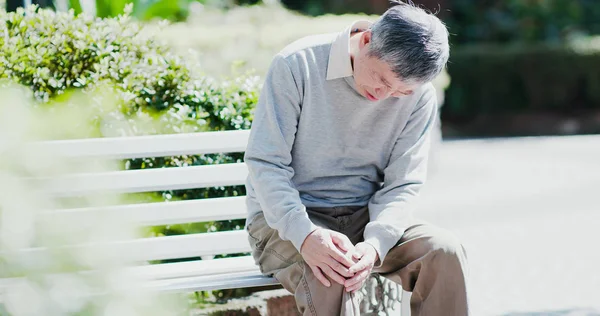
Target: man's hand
[(362, 269), (322, 251)]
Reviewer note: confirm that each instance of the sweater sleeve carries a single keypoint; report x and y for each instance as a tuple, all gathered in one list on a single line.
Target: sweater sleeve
[(268, 154), (390, 208)]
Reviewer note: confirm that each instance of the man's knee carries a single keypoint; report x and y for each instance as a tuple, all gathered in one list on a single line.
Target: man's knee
[(446, 246), (446, 241)]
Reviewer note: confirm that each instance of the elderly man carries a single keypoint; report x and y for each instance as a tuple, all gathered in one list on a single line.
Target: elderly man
[(337, 156)]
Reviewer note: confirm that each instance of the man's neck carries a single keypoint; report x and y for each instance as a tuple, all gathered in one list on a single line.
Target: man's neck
[(353, 45)]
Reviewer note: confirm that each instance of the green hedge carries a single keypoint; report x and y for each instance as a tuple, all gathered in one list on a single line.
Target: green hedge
[(491, 80), (53, 53), (156, 91), (476, 21), (485, 21)]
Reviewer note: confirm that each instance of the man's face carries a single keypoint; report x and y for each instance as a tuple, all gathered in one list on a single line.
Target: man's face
[(374, 78)]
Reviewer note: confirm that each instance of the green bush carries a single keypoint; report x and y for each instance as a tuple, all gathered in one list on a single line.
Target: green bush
[(156, 90), (499, 80)]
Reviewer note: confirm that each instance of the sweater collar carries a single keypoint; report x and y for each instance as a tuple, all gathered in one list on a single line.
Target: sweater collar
[(339, 64)]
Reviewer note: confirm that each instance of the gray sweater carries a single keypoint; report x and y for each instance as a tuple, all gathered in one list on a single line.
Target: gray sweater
[(316, 142)]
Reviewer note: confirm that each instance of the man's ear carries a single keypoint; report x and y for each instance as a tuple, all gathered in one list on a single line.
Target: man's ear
[(365, 38)]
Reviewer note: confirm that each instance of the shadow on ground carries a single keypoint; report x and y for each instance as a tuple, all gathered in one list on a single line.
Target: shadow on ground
[(570, 312)]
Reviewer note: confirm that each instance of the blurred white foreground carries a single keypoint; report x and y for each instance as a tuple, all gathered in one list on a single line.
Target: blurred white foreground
[(53, 283)]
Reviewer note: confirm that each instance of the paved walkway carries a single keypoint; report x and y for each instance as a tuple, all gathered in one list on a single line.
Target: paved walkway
[(528, 212)]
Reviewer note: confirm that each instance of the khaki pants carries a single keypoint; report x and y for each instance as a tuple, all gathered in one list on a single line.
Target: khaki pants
[(428, 261)]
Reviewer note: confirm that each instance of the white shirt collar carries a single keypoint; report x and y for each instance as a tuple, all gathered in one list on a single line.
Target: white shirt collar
[(339, 64)]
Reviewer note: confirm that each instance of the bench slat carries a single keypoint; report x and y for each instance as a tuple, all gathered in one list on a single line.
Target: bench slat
[(147, 180), (213, 282), (185, 246), (163, 213), (196, 268), (178, 270), (188, 284), (150, 146), (158, 248)]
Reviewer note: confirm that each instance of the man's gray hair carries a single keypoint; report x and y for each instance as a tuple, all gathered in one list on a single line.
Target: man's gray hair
[(413, 42)]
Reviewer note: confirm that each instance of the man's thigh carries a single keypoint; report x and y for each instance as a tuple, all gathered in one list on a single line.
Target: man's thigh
[(279, 258), (270, 252)]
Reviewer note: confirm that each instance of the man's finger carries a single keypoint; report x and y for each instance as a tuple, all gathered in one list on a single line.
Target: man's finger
[(338, 256), (341, 241), (332, 274), (319, 275), (338, 267), (357, 279), (354, 288), (357, 254), (363, 264)]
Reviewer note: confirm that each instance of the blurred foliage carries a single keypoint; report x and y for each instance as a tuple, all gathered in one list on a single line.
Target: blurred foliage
[(75, 5), (521, 20), (484, 21), (173, 10), (110, 8), (493, 79), (155, 91), (55, 52), (12, 5), (244, 40)]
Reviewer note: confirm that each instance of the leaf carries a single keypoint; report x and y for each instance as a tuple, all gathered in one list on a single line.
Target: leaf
[(118, 6), (173, 10), (103, 8), (76, 6), (110, 8)]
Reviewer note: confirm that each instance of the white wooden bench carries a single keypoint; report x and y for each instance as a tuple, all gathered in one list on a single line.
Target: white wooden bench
[(196, 275), (188, 276)]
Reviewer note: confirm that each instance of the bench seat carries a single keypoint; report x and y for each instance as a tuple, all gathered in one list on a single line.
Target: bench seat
[(202, 275)]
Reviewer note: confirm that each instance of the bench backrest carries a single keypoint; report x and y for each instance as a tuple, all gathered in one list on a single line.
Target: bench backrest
[(149, 180)]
